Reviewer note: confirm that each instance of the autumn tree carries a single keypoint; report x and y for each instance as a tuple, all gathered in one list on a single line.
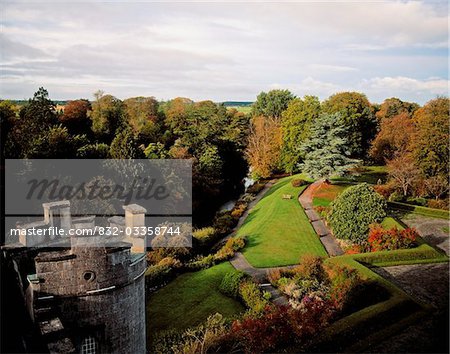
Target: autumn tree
[(326, 152), (431, 142), (272, 104), (264, 146), (107, 115), (392, 107), (356, 114), (295, 126), (175, 113), (437, 186), (142, 116), (403, 171), (75, 116), (394, 138)]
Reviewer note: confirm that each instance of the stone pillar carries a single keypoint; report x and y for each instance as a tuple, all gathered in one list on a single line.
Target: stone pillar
[(135, 218), (59, 209)]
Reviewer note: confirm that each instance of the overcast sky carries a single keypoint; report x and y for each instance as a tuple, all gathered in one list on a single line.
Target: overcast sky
[(224, 51)]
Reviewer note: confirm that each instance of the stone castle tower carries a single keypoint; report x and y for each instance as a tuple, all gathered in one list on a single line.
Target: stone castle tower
[(85, 298)]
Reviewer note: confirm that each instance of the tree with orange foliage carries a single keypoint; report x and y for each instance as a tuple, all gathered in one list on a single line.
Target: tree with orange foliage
[(75, 116), (394, 138), (392, 107), (431, 143), (264, 146)]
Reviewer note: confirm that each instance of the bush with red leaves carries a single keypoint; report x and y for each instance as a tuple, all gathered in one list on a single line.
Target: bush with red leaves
[(393, 239)]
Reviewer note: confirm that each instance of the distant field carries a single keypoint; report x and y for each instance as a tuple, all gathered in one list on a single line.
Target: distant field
[(243, 109)]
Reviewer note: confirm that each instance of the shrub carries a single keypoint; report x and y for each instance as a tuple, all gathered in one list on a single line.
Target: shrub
[(354, 210), (396, 197), (393, 239), (224, 223), (343, 282), (201, 262), (205, 235), (385, 190), (238, 210), (417, 201), (323, 211), (266, 295), (255, 188), (163, 341), (264, 333), (274, 275), (227, 251), (252, 297), (298, 182), (231, 282), (203, 339), (437, 204), (311, 267), (170, 262), (247, 198)]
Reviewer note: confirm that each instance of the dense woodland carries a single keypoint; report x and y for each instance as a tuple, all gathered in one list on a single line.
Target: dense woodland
[(282, 134)]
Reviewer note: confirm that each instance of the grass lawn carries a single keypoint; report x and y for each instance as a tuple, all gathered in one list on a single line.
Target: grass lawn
[(189, 299), (278, 230), (328, 192), (371, 175), (389, 222), (446, 229)]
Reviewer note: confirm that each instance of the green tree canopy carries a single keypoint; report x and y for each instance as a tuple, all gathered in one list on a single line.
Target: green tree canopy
[(272, 104), (327, 149), (295, 127), (35, 119), (125, 146), (357, 115), (7, 122), (107, 115), (354, 210)]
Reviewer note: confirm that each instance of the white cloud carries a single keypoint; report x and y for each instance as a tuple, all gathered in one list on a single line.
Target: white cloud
[(223, 50), (434, 86)]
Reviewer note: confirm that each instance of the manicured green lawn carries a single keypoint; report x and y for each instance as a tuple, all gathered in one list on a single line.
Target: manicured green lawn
[(189, 299), (327, 193), (371, 175), (389, 222), (278, 230)]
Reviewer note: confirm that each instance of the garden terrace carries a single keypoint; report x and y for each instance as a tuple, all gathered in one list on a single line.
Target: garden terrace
[(278, 231), (189, 299)]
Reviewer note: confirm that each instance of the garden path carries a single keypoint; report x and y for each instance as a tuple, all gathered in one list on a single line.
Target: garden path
[(433, 230), (322, 230)]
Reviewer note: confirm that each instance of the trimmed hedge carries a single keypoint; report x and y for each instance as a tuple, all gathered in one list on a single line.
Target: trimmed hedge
[(421, 254), (436, 213)]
